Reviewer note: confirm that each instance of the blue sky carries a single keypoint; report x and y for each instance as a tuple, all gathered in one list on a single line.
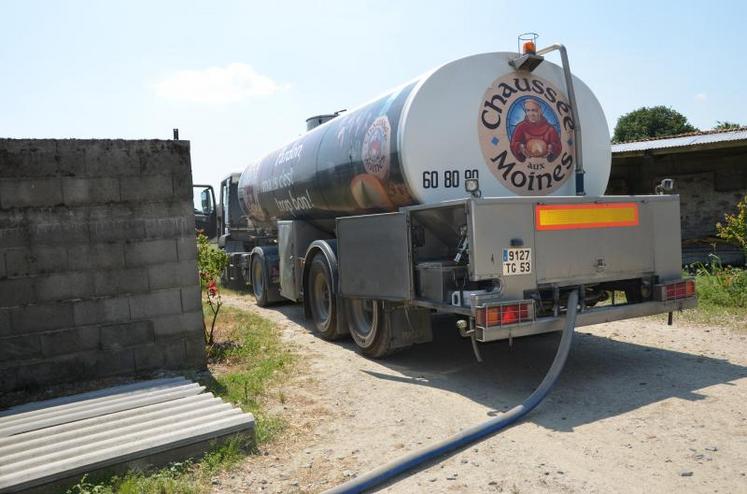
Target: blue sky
[(239, 78)]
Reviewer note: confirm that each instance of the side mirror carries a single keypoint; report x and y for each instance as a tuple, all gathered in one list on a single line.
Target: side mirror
[(206, 203)]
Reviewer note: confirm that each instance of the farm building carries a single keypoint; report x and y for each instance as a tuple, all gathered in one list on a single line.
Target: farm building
[(710, 175)]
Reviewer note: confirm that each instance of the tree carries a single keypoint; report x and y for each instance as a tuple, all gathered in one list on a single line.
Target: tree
[(726, 125), (656, 121)]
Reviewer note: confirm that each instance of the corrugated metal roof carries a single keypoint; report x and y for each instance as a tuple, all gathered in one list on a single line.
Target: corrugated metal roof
[(686, 140)]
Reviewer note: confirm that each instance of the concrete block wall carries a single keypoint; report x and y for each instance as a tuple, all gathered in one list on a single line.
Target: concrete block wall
[(98, 275), (710, 182), (703, 203)]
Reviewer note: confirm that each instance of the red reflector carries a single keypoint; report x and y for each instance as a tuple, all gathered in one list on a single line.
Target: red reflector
[(510, 314), (680, 289), (503, 315)]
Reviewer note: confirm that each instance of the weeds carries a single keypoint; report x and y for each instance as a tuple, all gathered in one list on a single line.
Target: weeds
[(178, 478), (251, 357), (227, 456), (722, 295), (721, 286)]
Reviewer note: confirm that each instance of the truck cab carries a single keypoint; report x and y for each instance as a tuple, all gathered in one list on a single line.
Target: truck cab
[(225, 224)]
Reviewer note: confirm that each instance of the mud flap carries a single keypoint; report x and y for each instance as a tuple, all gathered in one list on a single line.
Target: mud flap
[(408, 325), (342, 321)]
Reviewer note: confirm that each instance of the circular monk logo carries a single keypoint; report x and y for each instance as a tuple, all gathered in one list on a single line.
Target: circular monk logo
[(376, 148), (526, 134)]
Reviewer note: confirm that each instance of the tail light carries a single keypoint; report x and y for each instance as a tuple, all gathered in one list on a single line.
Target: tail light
[(675, 290), (505, 314)]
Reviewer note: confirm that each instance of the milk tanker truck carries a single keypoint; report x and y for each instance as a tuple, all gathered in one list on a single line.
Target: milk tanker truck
[(475, 190)]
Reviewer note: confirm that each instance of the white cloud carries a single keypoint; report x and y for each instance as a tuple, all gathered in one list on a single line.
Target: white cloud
[(701, 97), (229, 84)]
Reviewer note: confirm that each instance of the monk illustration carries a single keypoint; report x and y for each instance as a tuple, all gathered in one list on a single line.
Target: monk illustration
[(534, 137)]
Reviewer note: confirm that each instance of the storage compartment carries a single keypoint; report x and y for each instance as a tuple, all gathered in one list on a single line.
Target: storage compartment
[(437, 279), (373, 253)]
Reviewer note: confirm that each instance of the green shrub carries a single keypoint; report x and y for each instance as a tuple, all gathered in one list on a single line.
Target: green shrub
[(721, 286), (734, 227), (211, 262)]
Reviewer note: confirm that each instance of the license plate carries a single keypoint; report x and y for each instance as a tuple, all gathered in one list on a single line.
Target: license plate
[(517, 261)]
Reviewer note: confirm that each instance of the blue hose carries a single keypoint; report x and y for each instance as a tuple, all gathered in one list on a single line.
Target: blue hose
[(468, 436)]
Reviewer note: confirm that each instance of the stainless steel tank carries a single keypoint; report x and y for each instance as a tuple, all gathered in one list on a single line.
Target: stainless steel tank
[(475, 117)]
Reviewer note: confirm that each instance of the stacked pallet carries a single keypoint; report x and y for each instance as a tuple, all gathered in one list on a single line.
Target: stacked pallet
[(146, 423)]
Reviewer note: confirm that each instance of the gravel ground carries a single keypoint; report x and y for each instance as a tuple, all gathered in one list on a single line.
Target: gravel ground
[(640, 407)]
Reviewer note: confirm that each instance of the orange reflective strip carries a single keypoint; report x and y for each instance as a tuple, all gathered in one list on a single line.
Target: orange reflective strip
[(577, 216)]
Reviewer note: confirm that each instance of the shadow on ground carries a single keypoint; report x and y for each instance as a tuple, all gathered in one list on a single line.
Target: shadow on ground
[(602, 378)]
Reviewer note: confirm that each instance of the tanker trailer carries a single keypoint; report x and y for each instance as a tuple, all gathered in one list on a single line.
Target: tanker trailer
[(476, 190)]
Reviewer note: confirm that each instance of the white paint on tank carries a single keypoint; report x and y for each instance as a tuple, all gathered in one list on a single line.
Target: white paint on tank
[(439, 128)]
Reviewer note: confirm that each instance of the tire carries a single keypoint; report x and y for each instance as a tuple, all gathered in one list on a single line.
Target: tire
[(367, 327), (322, 300), (259, 280)]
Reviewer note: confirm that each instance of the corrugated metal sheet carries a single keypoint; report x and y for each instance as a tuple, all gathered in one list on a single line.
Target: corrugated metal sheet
[(61, 439), (682, 141)]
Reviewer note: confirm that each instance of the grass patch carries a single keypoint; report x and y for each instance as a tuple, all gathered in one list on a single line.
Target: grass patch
[(235, 293), (722, 296), (713, 315), (178, 478), (722, 286), (247, 358), (245, 362)]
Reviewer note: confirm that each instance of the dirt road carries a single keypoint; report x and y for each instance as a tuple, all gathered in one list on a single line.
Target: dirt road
[(640, 407)]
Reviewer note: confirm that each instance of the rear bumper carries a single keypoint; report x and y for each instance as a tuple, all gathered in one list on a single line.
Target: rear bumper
[(586, 318)]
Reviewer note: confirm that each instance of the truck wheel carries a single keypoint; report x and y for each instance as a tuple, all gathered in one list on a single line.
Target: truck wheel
[(259, 280), (322, 298), (367, 327)]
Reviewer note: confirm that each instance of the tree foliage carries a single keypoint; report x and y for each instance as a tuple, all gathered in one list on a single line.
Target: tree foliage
[(210, 260), (726, 125), (734, 227), (655, 121)]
